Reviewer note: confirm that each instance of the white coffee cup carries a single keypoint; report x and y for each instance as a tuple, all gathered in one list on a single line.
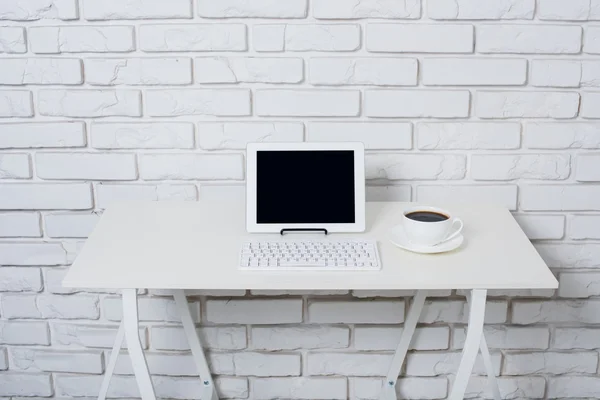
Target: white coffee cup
[(429, 226)]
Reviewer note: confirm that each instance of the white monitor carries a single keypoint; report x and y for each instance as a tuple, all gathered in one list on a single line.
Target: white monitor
[(305, 186)]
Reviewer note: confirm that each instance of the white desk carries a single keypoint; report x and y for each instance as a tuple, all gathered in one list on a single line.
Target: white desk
[(196, 246)]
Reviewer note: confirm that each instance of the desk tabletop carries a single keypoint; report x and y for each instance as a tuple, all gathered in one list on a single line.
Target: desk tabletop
[(180, 245)]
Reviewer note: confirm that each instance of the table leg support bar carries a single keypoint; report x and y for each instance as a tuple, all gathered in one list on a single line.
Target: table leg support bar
[(472, 345), (388, 391), (138, 360), (209, 391), (112, 362)]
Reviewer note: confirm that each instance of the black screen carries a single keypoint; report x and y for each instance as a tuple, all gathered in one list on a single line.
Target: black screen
[(305, 187)]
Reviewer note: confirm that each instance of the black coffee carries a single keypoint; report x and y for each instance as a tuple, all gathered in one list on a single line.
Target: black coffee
[(426, 216)]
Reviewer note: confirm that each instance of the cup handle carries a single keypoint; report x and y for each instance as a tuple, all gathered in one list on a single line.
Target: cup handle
[(456, 232)]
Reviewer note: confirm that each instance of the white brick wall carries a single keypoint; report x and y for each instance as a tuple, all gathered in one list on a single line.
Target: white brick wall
[(461, 100)]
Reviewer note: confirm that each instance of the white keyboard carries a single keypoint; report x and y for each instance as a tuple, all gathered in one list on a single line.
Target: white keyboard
[(327, 255)]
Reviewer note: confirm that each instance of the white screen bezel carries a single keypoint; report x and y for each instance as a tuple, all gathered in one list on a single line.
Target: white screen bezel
[(359, 185)]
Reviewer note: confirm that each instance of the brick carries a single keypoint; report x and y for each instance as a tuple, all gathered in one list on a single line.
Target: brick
[(236, 135), (89, 385), (322, 37), (356, 312), (90, 103), (46, 134), (333, 388), (255, 9), (533, 39), (297, 292), (17, 279), (81, 39), (19, 306), (374, 135), (435, 364), (508, 337), (12, 39), (363, 71), (208, 191), (348, 364), (138, 71), (193, 37), (575, 10), (579, 284), (267, 365), (222, 102), (457, 312), (589, 105), (530, 387), (299, 337), (33, 360), (406, 388), (573, 386), (32, 254), (503, 195), (473, 71), (248, 69), (165, 364), (3, 360), (88, 166), (344, 9), (89, 336), (35, 10), (421, 38), (24, 224), (149, 309), (572, 311), (417, 104), (556, 73), (256, 311), (15, 103), (522, 166), (192, 166), (140, 9), (538, 227), (591, 40), (70, 224), (386, 338), (154, 135), (218, 337), (590, 74), (559, 198), (27, 333), (41, 71), (472, 9), (54, 277), (68, 307), (584, 227), (109, 193), (412, 166), (309, 103), (15, 166), (551, 135), (576, 338), (268, 37), (468, 135), (41, 196), (18, 384), (567, 255), (559, 105)]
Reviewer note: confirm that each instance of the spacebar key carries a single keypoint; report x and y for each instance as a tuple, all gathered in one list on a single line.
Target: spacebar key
[(308, 264)]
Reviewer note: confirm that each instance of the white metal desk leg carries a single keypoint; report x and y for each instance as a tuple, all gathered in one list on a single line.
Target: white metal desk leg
[(489, 366), (209, 392), (388, 391), (472, 344), (138, 360), (112, 362)]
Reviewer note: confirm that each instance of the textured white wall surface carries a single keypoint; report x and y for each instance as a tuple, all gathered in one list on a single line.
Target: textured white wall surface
[(487, 101)]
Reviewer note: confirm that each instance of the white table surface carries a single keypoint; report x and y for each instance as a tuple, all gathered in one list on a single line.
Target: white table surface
[(185, 245)]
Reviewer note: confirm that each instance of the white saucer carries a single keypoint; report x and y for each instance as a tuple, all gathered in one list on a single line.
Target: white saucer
[(399, 238)]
